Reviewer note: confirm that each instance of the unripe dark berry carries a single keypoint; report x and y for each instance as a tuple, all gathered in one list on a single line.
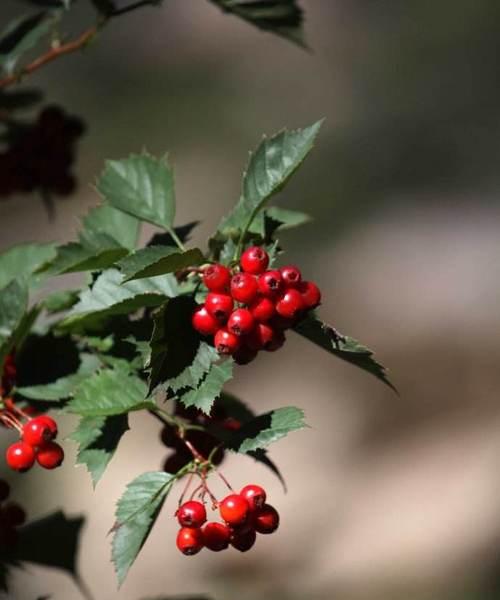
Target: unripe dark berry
[(191, 514), (20, 456), (219, 306), (254, 495), (270, 283), (50, 423), (240, 321), (234, 509), (244, 287), (50, 456), (36, 432), (189, 540), (290, 304), (254, 260), (262, 309), (243, 541), (216, 536), (291, 276), (203, 322), (226, 342), (217, 278), (266, 519), (310, 293), (4, 490), (261, 337), (244, 355), (13, 515)]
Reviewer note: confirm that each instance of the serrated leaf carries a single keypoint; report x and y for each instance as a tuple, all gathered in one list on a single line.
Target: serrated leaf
[(23, 260), (109, 392), (104, 220), (13, 305), (343, 347), (142, 186), (285, 218), (136, 512), (192, 375), (210, 387), (60, 301), (235, 408), (183, 233), (74, 258), (98, 439), (158, 260)]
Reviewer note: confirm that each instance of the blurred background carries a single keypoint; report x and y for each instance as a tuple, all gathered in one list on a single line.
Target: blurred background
[(389, 497)]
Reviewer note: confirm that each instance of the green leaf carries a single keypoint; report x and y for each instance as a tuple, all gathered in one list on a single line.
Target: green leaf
[(210, 388), (74, 258), (343, 347), (136, 512), (13, 305), (98, 439), (286, 219), (193, 374), (106, 221), (23, 260), (109, 392), (60, 301), (142, 186), (158, 260)]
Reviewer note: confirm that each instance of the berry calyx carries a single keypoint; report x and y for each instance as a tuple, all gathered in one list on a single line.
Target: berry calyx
[(310, 293), (290, 304), (234, 509), (219, 306), (13, 515), (204, 322), (4, 490), (191, 514), (254, 260), (189, 540), (216, 536), (244, 287), (36, 432), (262, 309), (240, 322), (244, 540), (50, 456), (270, 283), (20, 456), (291, 275), (266, 519), (50, 423), (254, 495), (226, 342), (217, 278)]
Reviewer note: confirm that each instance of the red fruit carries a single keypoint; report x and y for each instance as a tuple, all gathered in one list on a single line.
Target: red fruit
[(51, 424), (13, 515), (262, 309), (234, 509), (20, 456), (291, 276), (203, 322), (189, 540), (226, 342), (290, 304), (4, 490), (240, 322), (270, 283), (244, 540), (244, 355), (254, 260), (266, 519), (217, 278), (36, 432), (216, 536), (244, 287), (261, 337), (191, 514), (254, 495), (310, 293), (50, 456), (276, 342), (220, 306)]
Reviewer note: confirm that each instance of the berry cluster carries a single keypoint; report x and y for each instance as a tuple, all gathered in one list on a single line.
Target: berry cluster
[(248, 310), (40, 155), (11, 516), (244, 515)]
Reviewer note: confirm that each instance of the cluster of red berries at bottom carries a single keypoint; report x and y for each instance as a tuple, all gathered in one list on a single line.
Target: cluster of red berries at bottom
[(36, 444), (249, 310), (244, 515), (11, 516)]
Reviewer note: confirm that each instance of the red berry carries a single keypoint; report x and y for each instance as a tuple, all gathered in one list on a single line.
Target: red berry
[(290, 304), (261, 337), (4, 490), (254, 260), (51, 424), (266, 519), (219, 306), (262, 309), (244, 540), (191, 514), (276, 342), (20, 456), (291, 276), (216, 536), (244, 287), (189, 540), (226, 342), (217, 278), (254, 495), (240, 322), (270, 283), (36, 432), (310, 293), (234, 509), (50, 456), (204, 323), (244, 355), (13, 515)]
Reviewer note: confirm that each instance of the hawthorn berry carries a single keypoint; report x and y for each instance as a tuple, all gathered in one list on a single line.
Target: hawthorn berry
[(204, 322), (226, 342), (266, 519), (20, 456), (254, 495), (217, 278), (270, 283), (13, 515), (290, 304), (291, 276), (234, 509), (262, 309), (243, 540), (310, 293), (240, 322), (50, 423), (244, 287), (219, 306), (276, 342), (261, 337), (4, 490), (36, 432), (254, 260), (216, 536), (191, 514), (190, 540), (50, 456)]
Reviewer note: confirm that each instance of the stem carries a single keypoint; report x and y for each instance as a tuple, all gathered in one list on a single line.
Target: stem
[(126, 9), (177, 240)]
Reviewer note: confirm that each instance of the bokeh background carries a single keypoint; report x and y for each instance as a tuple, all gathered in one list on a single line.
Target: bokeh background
[(389, 497)]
